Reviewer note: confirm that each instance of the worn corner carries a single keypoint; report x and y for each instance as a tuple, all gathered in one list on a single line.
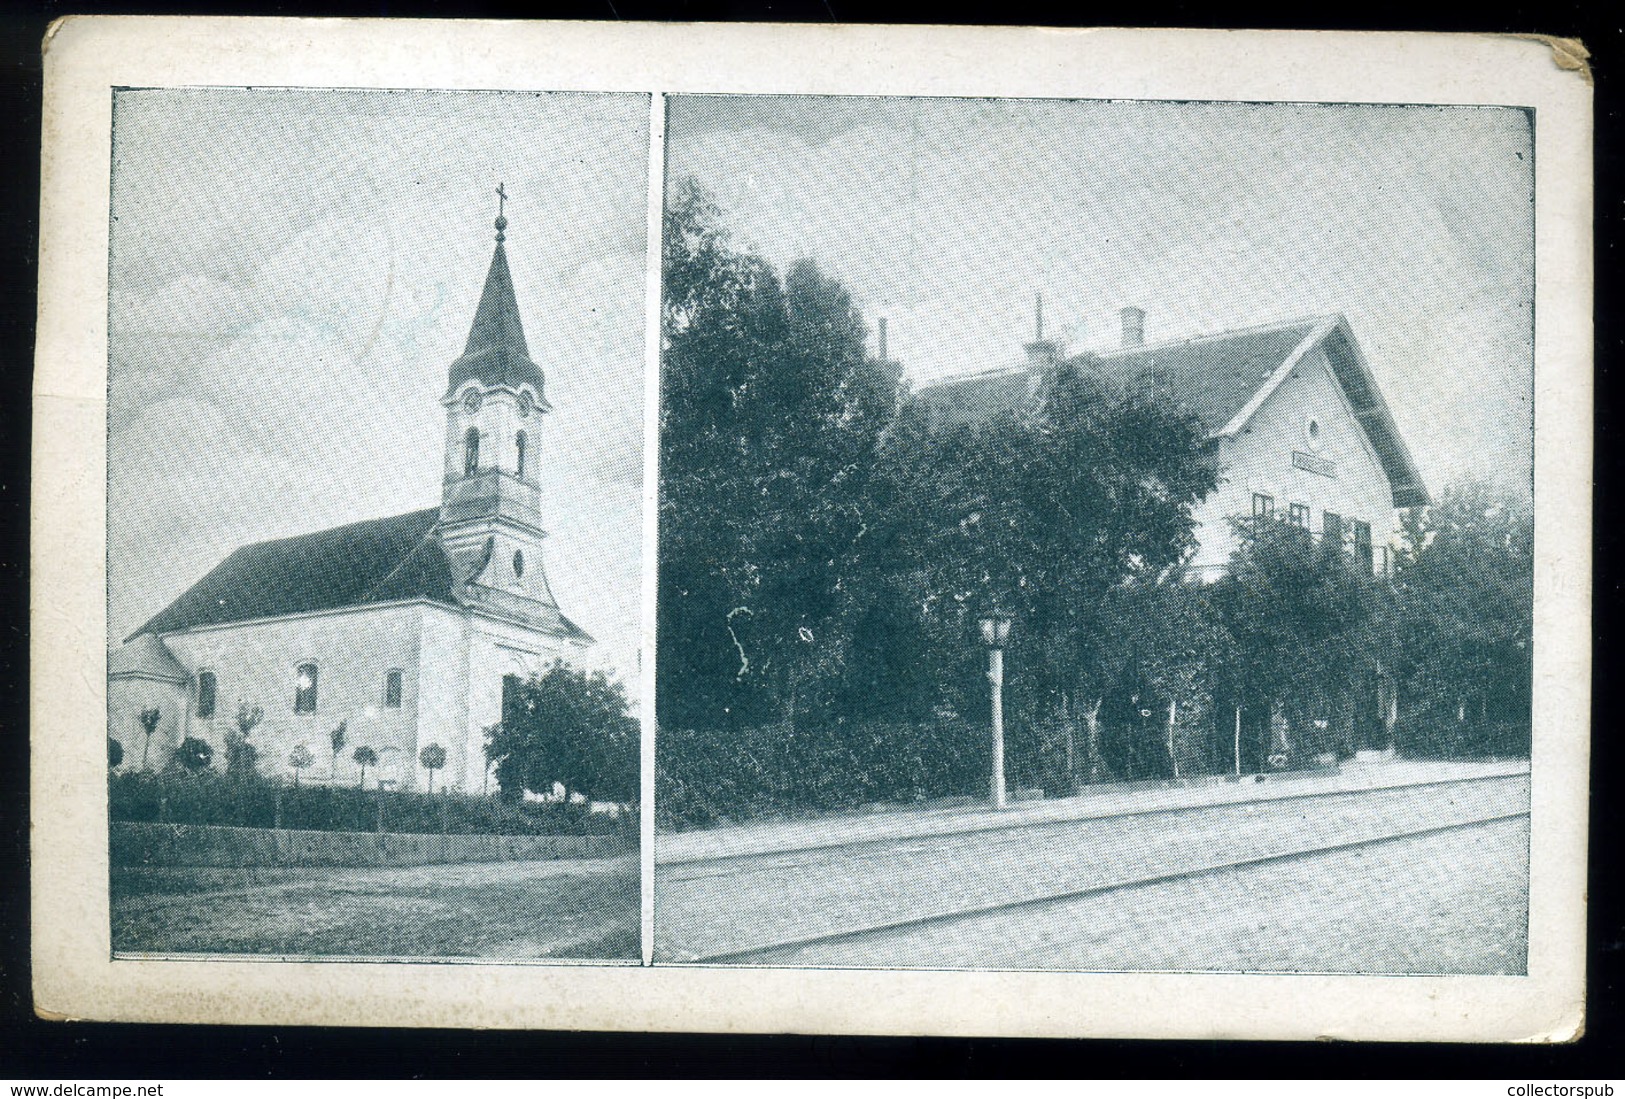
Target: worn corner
[(1569, 54)]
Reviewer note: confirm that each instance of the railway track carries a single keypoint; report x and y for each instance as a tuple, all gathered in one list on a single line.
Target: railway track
[(995, 825), (743, 907), (761, 952)]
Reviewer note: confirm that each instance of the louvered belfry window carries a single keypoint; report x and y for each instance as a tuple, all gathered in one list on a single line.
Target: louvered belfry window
[(471, 452), (519, 445)]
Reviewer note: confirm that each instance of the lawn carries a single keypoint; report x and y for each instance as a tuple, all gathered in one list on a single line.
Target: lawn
[(566, 909)]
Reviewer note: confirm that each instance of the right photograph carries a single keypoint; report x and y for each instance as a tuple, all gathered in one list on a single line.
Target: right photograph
[(1095, 536)]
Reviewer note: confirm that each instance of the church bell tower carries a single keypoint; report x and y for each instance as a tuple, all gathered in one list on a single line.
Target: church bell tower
[(490, 510)]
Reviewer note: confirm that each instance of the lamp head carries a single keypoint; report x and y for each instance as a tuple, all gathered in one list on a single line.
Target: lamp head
[(995, 629)]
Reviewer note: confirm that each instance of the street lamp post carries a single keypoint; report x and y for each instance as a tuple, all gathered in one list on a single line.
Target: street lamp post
[(995, 633)]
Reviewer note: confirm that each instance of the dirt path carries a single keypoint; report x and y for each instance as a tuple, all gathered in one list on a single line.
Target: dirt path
[(576, 909)]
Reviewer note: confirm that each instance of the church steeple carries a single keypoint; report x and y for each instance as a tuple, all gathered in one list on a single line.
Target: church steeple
[(496, 354), (490, 511)]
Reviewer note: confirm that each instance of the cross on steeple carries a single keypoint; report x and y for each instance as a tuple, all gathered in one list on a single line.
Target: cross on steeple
[(502, 220)]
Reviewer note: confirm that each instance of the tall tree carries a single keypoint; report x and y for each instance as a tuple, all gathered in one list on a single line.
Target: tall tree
[(771, 415), (1466, 579), (1043, 511), (1311, 629)]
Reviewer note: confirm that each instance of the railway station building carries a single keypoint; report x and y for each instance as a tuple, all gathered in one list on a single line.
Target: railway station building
[(1300, 431), (407, 628)]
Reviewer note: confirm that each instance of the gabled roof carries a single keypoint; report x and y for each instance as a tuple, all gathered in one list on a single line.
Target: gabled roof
[(496, 352), (1222, 380), (1215, 376), (145, 657), (376, 561)]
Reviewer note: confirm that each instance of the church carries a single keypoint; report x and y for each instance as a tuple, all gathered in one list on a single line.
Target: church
[(405, 629)]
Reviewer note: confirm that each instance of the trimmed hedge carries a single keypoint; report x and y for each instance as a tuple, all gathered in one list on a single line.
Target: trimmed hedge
[(209, 797), (705, 776)]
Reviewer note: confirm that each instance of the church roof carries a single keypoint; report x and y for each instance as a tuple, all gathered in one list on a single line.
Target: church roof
[(496, 352), (145, 657), (1222, 380), (376, 561)]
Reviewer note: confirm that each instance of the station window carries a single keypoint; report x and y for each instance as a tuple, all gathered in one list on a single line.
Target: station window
[(205, 694), (392, 690), (1362, 545), (1263, 505), (1299, 515), (304, 690), (1331, 527)]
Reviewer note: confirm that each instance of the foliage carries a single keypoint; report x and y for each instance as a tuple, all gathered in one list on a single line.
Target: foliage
[(1311, 629), (707, 776), (149, 725), (336, 739), (365, 757), (241, 756), (1466, 578), (772, 412), (828, 543), (299, 758), (568, 727), (433, 757), (115, 753), (210, 798), (193, 755)]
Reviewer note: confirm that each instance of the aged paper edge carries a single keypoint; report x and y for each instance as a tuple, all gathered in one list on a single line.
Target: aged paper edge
[(87, 57)]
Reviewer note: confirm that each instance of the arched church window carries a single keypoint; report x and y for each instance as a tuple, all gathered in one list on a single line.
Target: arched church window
[(471, 452), (392, 690), (304, 690), (519, 445), (205, 694)]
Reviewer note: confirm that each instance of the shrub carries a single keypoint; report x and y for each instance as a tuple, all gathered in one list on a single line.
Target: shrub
[(707, 776), (208, 797)]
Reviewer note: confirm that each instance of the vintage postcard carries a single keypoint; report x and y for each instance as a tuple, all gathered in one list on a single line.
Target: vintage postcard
[(875, 530)]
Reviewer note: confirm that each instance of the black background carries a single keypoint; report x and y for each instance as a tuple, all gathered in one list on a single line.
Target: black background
[(52, 1052)]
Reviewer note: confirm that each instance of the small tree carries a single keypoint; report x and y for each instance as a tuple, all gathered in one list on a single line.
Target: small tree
[(299, 759), (149, 725), (240, 754), (336, 738), (433, 757), (567, 727), (115, 753), (195, 755), (366, 757)]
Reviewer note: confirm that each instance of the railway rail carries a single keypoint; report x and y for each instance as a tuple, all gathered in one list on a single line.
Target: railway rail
[(937, 919), (995, 825), (1342, 821)]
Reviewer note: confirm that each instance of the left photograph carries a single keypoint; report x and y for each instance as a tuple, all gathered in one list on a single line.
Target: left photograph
[(374, 513)]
